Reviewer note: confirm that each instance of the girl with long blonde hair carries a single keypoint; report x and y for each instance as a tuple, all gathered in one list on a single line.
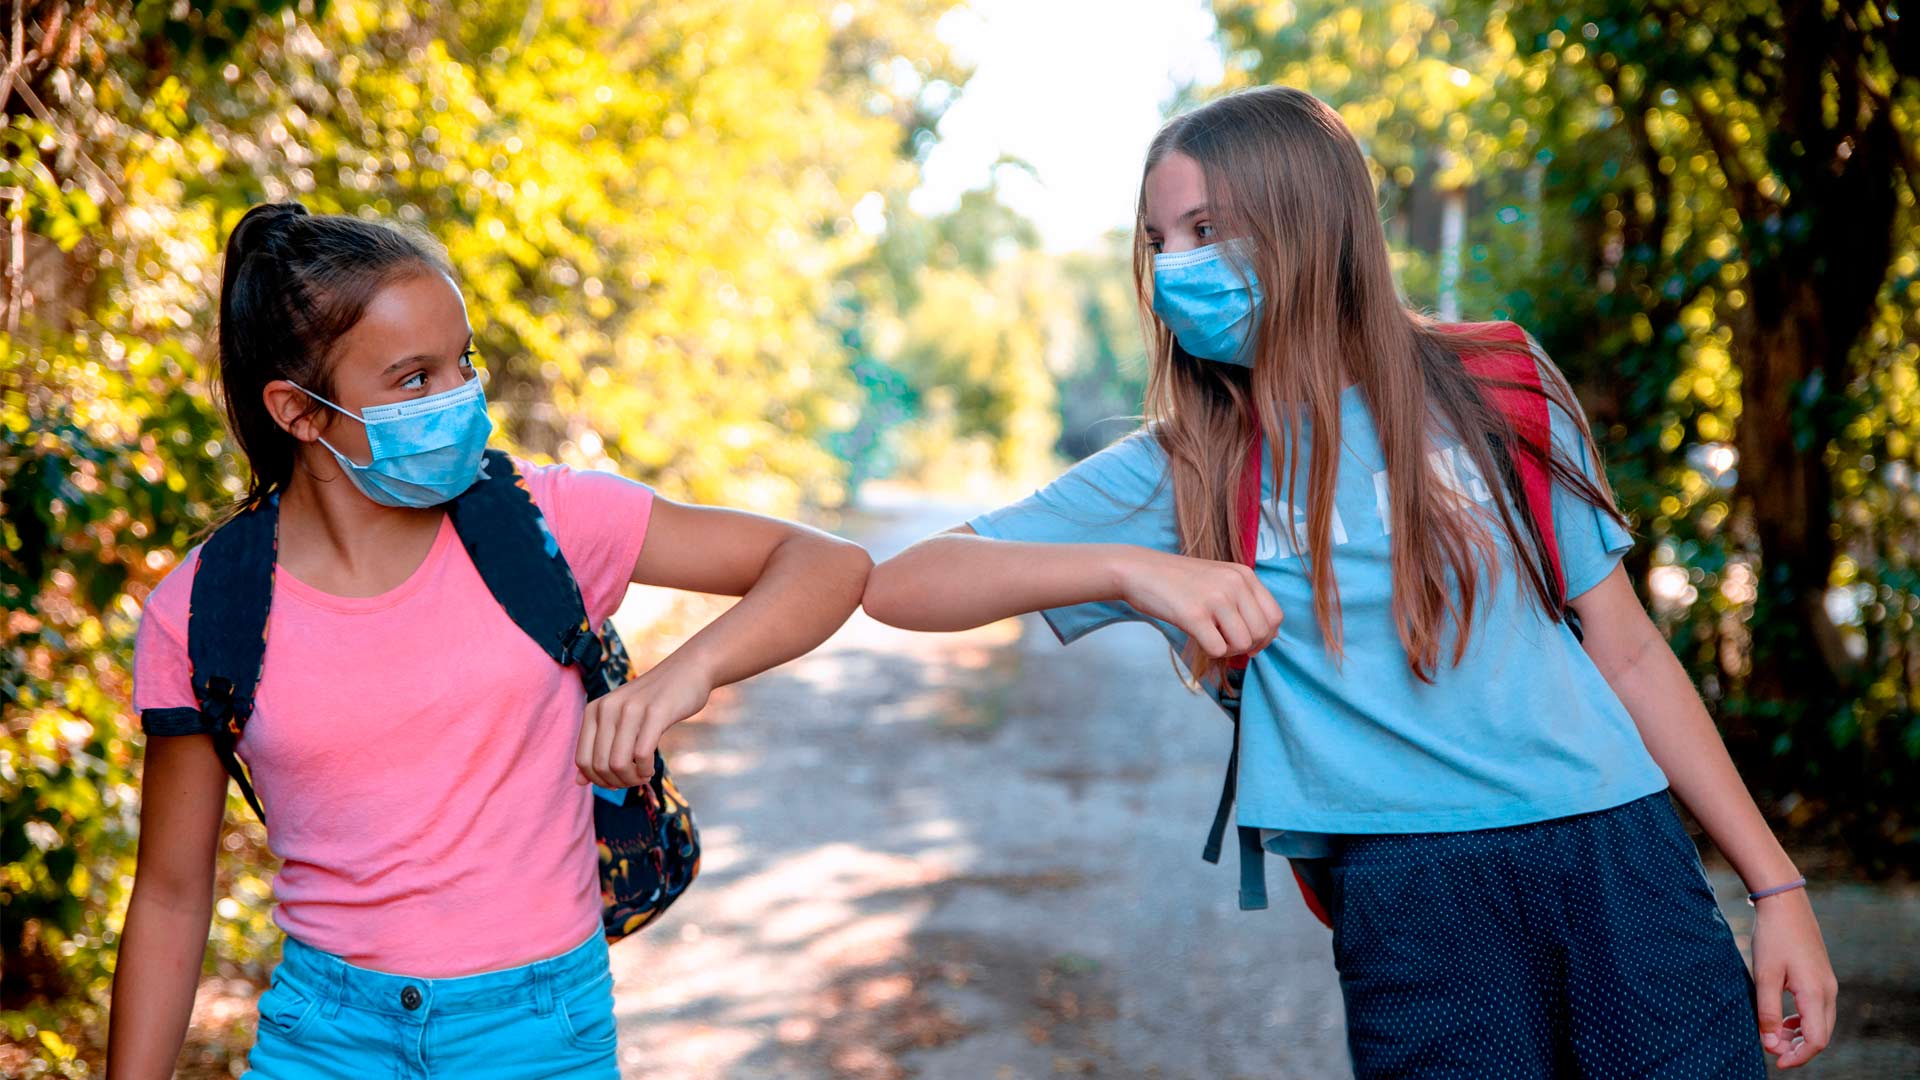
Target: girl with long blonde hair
[(1467, 730)]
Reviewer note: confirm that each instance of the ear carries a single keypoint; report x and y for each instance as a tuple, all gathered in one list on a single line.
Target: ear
[(292, 408)]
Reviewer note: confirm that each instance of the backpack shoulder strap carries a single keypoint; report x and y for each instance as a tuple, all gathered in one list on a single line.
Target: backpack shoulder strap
[(227, 629), (1253, 871), (1512, 381), (1516, 389), (518, 557)]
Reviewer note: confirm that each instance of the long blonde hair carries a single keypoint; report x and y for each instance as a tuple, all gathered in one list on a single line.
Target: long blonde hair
[(1285, 173)]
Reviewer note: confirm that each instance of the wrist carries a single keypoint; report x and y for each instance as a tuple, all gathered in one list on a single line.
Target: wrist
[(1117, 564), (1784, 891), (694, 663), (1764, 868)]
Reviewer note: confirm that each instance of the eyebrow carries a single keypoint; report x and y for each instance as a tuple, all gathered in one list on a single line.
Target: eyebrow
[(404, 361)]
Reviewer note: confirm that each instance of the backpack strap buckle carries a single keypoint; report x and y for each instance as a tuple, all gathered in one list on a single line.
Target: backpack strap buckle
[(226, 712), (227, 715), (583, 649), (581, 646)]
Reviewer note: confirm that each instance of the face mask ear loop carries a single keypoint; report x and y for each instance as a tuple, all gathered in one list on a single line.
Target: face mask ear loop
[(338, 409), (324, 401), (342, 457)]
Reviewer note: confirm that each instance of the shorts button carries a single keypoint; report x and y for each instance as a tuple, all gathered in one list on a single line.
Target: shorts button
[(410, 997)]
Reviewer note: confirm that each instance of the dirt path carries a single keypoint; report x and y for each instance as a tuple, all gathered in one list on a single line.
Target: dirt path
[(976, 856), (970, 855)]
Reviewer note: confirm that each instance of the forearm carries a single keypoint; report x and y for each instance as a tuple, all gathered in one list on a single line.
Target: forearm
[(1788, 953), (156, 974), (957, 581), (1685, 744), (807, 589)]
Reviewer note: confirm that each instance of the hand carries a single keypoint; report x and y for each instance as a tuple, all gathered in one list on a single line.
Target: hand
[(621, 730), (1222, 607), (1789, 954)]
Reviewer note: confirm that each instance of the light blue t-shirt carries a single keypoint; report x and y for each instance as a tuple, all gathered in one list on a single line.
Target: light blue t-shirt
[(1524, 729)]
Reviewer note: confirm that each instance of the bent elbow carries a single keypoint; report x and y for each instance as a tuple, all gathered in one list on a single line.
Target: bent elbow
[(884, 599)]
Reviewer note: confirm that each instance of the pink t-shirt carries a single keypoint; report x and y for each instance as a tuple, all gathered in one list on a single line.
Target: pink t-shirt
[(414, 750)]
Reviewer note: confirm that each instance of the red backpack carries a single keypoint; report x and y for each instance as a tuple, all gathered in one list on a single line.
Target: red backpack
[(1517, 391)]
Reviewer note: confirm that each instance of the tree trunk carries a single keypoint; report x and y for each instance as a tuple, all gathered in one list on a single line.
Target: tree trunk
[(1817, 261), (1788, 485)]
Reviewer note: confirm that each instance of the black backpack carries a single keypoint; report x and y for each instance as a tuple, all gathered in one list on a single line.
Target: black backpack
[(649, 849)]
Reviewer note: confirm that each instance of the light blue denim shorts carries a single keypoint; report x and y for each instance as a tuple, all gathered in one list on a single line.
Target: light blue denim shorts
[(325, 1018)]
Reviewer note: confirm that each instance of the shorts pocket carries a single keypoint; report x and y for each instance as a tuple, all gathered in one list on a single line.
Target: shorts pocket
[(1683, 868), (285, 1010), (585, 1015), (1375, 943)]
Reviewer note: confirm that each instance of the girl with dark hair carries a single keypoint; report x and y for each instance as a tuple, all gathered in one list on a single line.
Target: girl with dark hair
[(1483, 793), (423, 764)]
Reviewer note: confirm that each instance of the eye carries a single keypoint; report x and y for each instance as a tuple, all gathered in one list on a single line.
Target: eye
[(1154, 246), (1204, 232), (415, 381), (466, 359)]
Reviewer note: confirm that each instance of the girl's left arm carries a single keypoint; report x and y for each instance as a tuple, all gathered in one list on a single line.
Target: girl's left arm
[(797, 586), (1788, 952)]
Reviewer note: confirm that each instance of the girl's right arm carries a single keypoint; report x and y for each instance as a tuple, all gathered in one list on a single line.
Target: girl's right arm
[(183, 795), (959, 580)]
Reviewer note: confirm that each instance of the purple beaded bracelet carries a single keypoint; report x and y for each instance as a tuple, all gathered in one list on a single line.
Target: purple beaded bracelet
[(1796, 883)]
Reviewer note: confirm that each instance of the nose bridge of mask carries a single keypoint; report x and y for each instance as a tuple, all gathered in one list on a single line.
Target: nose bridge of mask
[(1235, 267), (436, 422), (1174, 260), (432, 403), (407, 428)]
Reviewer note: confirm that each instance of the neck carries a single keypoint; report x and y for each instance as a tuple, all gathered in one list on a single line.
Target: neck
[(324, 518)]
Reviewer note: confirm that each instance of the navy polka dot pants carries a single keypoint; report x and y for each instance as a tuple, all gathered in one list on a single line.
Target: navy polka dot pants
[(1588, 946)]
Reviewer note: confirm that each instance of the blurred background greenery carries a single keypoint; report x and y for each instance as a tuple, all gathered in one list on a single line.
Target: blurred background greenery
[(692, 250)]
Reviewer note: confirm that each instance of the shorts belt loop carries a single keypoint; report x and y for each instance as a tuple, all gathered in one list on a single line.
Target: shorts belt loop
[(336, 991), (542, 989)]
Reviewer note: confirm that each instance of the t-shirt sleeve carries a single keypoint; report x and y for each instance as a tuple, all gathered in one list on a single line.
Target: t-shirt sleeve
[(1591, 542), (162, 674), (1121, 495), (600, 521)]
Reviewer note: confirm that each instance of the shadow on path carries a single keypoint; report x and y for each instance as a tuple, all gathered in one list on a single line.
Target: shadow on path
[(977, 856)]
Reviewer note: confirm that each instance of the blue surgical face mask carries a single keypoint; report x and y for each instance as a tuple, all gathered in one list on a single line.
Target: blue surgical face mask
[(1210, 298), (424, 452)]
